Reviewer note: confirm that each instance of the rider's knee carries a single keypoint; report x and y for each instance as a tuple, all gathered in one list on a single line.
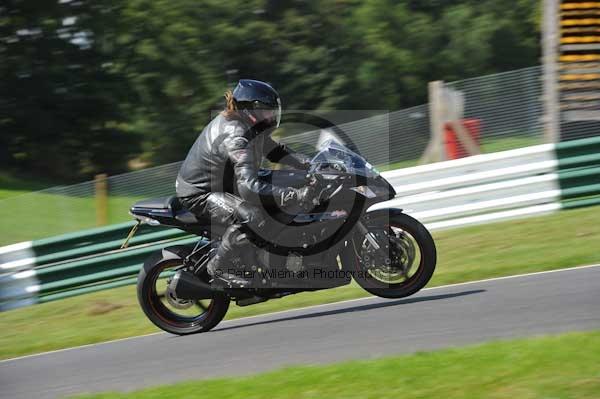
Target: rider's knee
[(249, 214)]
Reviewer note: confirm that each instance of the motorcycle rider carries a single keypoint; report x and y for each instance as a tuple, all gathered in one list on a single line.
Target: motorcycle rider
[(219, 176)]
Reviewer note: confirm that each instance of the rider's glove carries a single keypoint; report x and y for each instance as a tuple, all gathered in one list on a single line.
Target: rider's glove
[(304, 162), (299, 161)]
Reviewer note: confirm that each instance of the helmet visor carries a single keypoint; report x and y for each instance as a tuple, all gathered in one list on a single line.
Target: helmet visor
[(271, 116)]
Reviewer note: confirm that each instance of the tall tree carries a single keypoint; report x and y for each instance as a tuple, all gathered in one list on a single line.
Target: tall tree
[(89, 83), (59, 97)]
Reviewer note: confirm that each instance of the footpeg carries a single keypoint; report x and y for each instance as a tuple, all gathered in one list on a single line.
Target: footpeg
[(227, 280), (251, 301)]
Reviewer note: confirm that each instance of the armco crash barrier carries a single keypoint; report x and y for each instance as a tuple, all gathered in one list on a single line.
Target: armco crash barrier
[(78, 263), (479, 189), (579, 172)]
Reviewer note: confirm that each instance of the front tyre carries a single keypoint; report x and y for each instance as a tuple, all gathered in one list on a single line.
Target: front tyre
[(408, 259), (171, 314)]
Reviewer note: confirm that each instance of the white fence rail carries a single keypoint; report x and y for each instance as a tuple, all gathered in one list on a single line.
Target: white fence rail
[(479, 189)]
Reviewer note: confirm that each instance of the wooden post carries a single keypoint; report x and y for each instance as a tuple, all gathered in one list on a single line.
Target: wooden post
[(435, 148), (101, 186), (549, 59)]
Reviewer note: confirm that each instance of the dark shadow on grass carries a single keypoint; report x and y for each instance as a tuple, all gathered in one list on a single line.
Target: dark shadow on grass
[(357, 308), (10, 180)]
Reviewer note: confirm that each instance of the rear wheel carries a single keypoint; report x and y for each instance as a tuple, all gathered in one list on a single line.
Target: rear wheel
[(406, 263), (170, 313)]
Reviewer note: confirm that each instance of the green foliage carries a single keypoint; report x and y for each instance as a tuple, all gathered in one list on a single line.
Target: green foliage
[(13, 185), (60, 100), (89, 84)]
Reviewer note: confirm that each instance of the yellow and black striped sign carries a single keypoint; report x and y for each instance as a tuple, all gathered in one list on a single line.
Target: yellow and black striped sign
[(579, 56)]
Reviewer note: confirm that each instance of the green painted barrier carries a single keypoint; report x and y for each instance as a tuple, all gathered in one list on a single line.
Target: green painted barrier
[(581, 203), (579, 172), (95, 270), (110, 237), (92, 249), (85, 261)]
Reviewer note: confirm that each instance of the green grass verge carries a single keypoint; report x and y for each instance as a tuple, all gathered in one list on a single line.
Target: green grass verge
[(489, 145), (40, 215), (562, 366), (544, 243)]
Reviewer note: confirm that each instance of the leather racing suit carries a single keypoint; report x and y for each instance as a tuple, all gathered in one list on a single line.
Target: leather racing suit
[(219, 178)]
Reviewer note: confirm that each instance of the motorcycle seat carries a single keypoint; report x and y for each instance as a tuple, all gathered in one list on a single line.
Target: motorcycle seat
[(160, 203), (169, 206)]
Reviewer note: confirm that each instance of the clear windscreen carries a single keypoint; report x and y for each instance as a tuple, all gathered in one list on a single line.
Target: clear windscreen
[(334, 157)]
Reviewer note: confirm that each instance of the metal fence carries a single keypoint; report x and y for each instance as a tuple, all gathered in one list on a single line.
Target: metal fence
[(388, 140), (508, 107), (64, 209)]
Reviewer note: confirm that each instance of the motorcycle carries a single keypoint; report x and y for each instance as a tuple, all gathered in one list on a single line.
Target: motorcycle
[(388, 253)]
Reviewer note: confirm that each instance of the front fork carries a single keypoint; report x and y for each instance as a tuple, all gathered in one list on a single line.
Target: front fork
[(364, 231)]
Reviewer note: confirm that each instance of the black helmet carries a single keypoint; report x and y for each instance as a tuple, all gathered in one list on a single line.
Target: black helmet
[(259, 101)]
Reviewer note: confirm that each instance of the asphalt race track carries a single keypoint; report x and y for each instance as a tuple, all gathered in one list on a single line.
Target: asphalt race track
[(554, 302)]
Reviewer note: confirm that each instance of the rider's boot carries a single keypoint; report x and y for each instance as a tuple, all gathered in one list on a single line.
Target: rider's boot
[(224, 267)]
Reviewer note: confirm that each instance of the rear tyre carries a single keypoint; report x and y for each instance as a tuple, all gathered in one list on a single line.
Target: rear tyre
[(411, 259), (172, 315)]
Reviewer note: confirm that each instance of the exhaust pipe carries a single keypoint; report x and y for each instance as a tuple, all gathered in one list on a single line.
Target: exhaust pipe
[(186, 285)]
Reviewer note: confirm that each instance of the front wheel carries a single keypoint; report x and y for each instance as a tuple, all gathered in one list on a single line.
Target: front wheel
[(170, 313), (406, 259)]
